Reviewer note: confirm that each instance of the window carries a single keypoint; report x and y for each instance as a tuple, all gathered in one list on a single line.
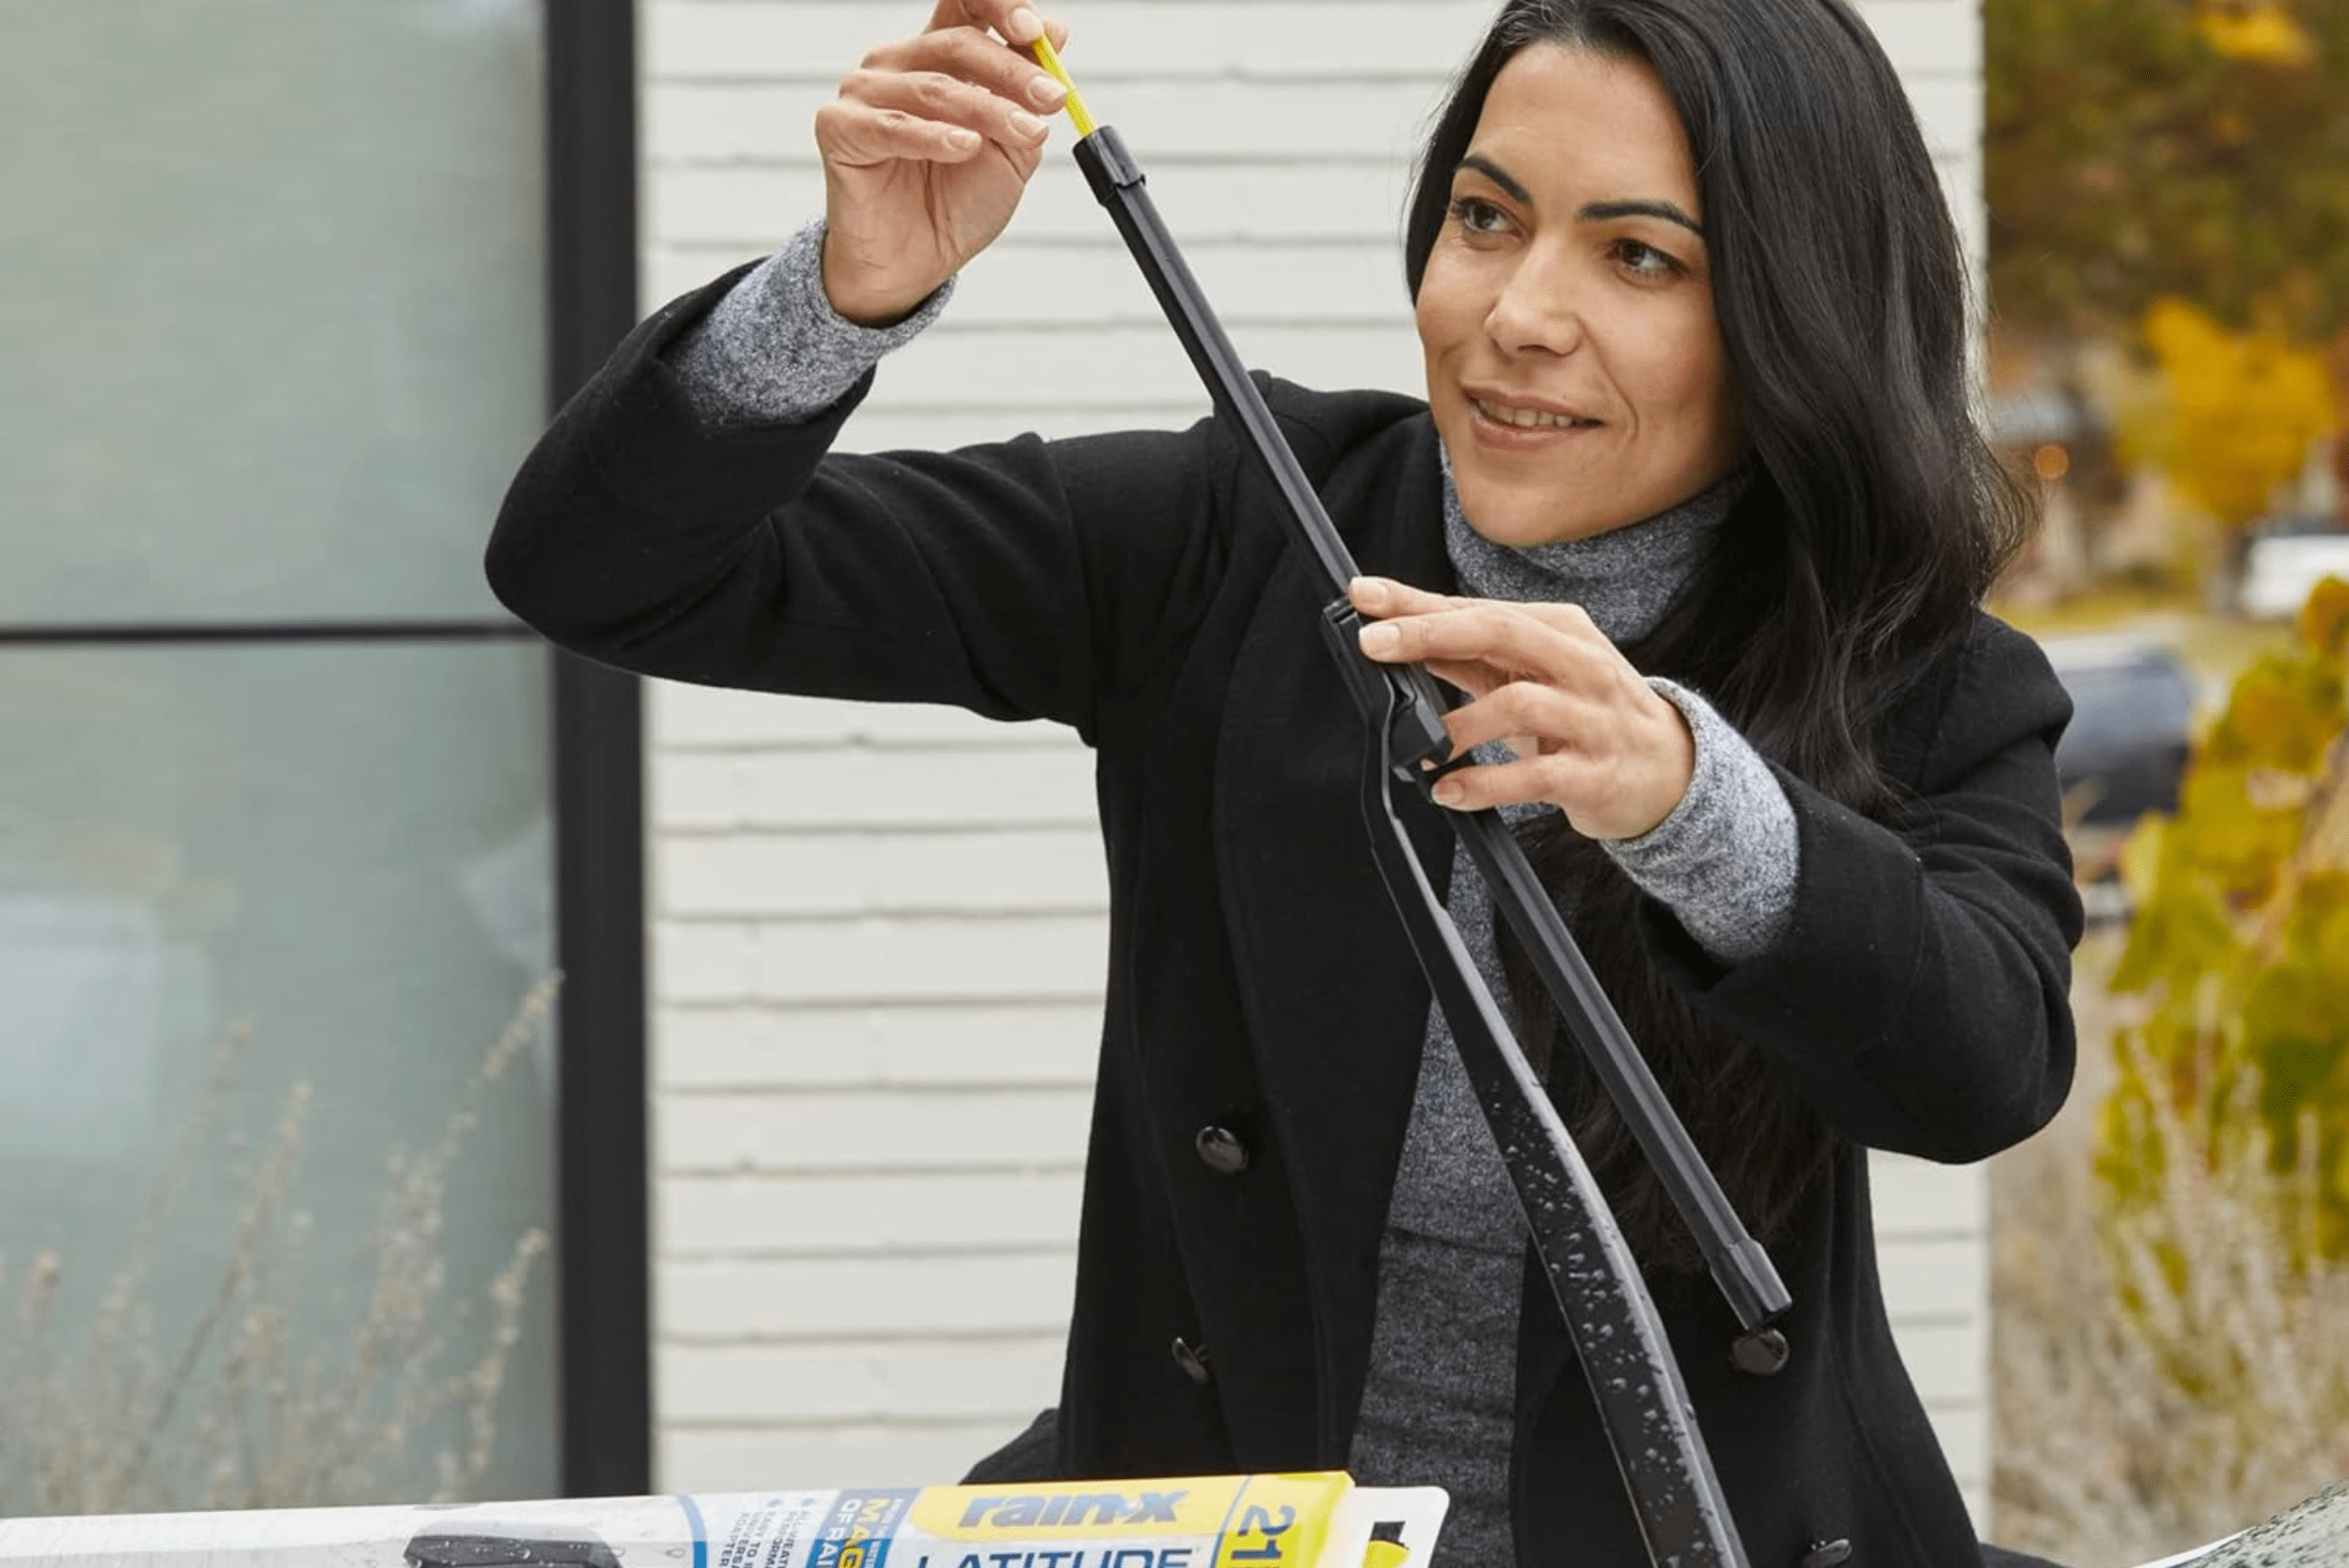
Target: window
[(281, 319)]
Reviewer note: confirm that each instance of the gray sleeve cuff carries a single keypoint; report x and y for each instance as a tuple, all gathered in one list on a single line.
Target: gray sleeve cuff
[(1725, 861), (773, 352)]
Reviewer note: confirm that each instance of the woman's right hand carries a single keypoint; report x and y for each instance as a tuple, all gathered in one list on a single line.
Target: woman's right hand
[(926, 151)]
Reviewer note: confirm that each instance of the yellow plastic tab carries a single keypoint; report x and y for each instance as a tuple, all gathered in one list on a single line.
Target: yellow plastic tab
[(1048, 57)]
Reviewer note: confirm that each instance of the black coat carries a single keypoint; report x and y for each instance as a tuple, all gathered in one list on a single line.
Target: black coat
[(1136, 588)]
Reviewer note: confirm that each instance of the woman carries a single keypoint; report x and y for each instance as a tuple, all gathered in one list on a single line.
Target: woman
[(1697, 423)]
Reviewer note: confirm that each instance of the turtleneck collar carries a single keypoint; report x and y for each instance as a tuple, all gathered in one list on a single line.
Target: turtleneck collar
[(1624, 579)]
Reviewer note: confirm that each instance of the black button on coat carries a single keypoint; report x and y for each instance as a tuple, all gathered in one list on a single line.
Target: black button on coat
[(1221, 1151), (1137, 587)]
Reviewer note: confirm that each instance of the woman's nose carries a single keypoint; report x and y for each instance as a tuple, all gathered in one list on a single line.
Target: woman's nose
[(1538, 309)]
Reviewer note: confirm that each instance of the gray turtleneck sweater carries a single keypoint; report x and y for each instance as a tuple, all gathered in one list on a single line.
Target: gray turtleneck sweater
[(1438, 1406)]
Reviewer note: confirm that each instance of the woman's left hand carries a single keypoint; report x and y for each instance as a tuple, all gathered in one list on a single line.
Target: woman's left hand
[(1590, 736)]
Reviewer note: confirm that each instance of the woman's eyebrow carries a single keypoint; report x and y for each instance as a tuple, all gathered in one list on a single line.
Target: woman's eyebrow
[(1498, 176), (1670, 212)]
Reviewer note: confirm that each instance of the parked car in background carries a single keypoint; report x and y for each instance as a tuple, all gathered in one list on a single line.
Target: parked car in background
[(2287, 557), (2125, 752)]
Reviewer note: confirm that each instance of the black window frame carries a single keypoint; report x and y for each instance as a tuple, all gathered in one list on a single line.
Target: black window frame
[(603, 1221)]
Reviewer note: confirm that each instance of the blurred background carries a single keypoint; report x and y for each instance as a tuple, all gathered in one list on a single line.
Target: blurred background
[(2167, 188), (432, 1066)]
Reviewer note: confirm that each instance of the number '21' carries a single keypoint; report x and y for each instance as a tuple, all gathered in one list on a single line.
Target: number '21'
[(1256, 1521)]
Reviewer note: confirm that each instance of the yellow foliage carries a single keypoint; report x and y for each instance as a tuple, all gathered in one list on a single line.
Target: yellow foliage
[(2261, 32), (2237, 412), (2324, 619), (2242, 937)]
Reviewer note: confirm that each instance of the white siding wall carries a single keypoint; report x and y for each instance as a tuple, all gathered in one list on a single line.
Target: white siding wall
[(879, 935)]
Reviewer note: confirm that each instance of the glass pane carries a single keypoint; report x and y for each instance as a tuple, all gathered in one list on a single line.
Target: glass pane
[(343, 850), (274, 305)]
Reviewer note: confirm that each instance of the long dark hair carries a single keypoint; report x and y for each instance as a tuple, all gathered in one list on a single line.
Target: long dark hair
[(1874, 518)]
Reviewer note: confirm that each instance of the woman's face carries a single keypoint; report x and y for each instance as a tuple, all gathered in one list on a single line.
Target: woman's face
[(1574, 365)]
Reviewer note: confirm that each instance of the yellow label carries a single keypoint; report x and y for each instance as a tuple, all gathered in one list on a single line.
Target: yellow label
[(1192, 1506), (1246, 1521)]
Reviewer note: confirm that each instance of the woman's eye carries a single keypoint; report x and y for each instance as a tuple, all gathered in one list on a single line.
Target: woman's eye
[(1477, 216), (1645, 260)]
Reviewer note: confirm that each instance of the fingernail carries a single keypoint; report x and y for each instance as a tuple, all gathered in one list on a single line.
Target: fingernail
[(1047, 92), (1369, 591), (961, 139), (1028, 125), (1380, 639), (1026, 26), (1447, 793)]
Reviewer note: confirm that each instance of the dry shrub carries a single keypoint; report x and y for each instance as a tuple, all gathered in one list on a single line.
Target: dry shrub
[(245, 1407), (2165, 1373)]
